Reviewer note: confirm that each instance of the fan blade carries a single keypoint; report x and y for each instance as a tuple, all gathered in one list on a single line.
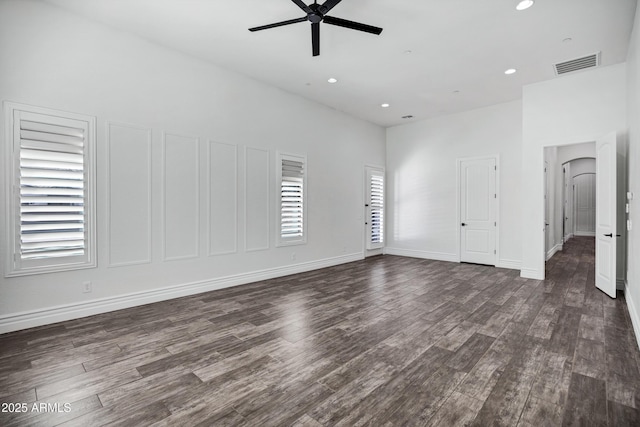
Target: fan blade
[(315, 38), (352, 25), (328, 5), (278, 24), (302, 6)]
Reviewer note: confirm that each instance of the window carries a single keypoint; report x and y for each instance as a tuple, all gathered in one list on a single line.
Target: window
[(292, 177), (51, 225), (375, 208)]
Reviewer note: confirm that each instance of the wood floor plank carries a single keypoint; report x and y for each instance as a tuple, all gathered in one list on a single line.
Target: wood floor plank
[(586, 403), (622, 415), (458, 410), (540, 413), (553, 379), (589, 359)]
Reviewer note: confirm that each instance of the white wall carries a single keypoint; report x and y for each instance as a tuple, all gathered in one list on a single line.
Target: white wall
[(582, 166), (196, 123), (576, 151), (570, 109), (632, 291), (421, 176)]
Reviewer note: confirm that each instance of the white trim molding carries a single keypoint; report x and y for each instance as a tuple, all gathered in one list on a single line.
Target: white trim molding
[(15, 114), (633, 312), (412, 253), (109, 126), (557, 248), (530, 273), (46, 316), (511, 264)]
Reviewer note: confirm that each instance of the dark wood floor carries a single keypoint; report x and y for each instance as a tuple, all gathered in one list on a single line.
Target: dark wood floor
[(386, 341)]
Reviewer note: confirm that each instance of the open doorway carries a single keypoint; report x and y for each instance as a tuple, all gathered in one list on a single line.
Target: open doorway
[(582, 182), (569, 194), (570, 198)]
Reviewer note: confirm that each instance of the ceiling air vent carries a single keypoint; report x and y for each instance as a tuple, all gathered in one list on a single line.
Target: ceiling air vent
[(577, 64)]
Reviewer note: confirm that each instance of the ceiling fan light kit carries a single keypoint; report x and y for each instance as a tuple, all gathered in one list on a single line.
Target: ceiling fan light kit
[(317, 13)]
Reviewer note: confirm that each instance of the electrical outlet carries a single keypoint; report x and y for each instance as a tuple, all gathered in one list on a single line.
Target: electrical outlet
[(629, 225), (86, 287)]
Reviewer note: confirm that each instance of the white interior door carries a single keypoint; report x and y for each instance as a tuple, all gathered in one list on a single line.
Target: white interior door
[(478, 211), (606, 174)]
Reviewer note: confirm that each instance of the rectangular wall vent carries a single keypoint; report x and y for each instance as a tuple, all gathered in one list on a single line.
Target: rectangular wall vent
[(577, 64)]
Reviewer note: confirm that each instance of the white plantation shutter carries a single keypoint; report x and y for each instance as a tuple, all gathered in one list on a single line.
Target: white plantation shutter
[(377, 209), (51, 190), (375, 202), (292, 198), (51, 202)]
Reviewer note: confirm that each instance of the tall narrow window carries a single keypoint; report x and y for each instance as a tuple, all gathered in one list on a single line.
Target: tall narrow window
[(375, 208), (51, 205), (292, 177)]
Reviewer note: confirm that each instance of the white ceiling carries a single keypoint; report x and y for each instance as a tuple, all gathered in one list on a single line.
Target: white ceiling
[(456, 45)]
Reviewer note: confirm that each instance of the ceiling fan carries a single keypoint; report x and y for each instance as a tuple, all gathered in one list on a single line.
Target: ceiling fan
[(317, 13)]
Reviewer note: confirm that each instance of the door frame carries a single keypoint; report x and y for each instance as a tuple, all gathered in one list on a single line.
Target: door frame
[(459, 161), (539, 273)]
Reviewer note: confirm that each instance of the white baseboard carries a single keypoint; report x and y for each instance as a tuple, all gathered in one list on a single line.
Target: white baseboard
[(374, 252), (45, 316), (528, 273), (620, 284), (633, 312), (509, 263), (586, 233), (412, 253), (554, 250)]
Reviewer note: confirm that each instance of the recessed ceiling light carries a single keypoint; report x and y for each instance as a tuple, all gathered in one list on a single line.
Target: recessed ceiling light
[(408, 116), (332, 80), (568, 40), (510, 71), (407, 51), (385, 105), (524, 4), (455, 92)]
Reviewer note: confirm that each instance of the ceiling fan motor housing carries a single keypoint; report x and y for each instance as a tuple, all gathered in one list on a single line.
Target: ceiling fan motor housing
[(316, 14)]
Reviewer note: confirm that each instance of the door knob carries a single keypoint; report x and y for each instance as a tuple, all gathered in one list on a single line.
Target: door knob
[(611, 235), (463, 224)]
